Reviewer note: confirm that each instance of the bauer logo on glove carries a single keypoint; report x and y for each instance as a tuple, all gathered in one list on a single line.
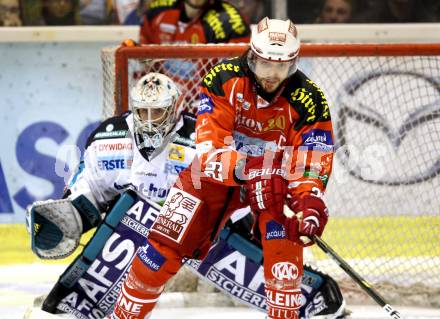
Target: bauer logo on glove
[(265, 172), (265, 185)]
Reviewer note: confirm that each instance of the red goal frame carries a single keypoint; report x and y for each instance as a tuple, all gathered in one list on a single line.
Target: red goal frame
[(123, 54)]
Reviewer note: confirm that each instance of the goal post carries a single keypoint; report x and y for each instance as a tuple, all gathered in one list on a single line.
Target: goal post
[(116, 61), (120, 63), (384, 99)]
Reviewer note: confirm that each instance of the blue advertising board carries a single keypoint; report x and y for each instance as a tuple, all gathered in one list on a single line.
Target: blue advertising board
[(51, 99)]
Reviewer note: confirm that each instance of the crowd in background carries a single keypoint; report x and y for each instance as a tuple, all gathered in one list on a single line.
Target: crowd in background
[(364, 11), (128, 12)]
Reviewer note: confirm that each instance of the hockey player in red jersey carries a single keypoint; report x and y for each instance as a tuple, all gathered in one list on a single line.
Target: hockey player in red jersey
[(262, 126), (193, 21)]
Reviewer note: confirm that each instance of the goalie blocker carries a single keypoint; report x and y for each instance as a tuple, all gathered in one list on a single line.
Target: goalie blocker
[(90, 285)]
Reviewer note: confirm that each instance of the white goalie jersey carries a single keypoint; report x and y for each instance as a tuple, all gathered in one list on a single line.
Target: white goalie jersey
[(112, 162)]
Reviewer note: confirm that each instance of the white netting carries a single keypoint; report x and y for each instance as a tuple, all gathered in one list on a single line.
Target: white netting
[(108, 80), (386, 112), (185, 72), (383, 194)]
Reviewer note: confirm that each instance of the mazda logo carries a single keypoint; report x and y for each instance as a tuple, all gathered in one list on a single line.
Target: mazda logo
[(396, 114)]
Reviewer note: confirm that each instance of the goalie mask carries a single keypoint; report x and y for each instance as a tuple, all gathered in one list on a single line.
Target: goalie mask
[(154, 102), (273, 54)]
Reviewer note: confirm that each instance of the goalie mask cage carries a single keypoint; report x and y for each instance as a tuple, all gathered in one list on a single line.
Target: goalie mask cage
[(383, 195)]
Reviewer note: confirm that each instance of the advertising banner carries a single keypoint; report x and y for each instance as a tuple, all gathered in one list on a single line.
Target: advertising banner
[(51, 100)]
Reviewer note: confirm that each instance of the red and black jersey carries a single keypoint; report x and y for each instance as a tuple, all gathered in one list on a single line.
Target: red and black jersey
[(234, 120), (220, 22)]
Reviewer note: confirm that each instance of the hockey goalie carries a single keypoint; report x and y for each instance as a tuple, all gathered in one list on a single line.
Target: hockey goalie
[(130, 163)]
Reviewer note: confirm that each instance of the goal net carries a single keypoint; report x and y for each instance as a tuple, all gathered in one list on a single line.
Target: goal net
[(385, 104)]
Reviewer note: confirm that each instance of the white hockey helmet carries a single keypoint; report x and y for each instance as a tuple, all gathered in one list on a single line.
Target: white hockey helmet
[(155, 105), (274, 40)]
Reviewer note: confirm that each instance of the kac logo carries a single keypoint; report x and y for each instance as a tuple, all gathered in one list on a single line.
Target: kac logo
[(285, 271)]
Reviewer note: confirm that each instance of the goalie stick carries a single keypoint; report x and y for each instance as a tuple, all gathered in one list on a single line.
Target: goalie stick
[(363, 283)]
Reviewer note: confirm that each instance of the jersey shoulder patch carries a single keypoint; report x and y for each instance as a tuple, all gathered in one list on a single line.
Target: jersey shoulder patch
[(113, 127), (223, 22), (307, 99), (220, 73), (158, 6)]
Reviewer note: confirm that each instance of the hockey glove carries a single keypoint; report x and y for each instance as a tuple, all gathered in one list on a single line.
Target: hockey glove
[(266, 187), (310, 218)]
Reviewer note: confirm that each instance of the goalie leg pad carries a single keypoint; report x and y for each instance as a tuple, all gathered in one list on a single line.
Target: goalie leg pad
[(68, 280)]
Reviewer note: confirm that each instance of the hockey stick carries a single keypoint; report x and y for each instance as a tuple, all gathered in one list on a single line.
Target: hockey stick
[(364, 284)]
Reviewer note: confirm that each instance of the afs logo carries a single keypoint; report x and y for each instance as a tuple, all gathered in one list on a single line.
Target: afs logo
[(285, 271)]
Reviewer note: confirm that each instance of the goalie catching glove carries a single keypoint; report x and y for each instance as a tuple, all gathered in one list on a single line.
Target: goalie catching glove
[(56, 226), (308, 217)]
